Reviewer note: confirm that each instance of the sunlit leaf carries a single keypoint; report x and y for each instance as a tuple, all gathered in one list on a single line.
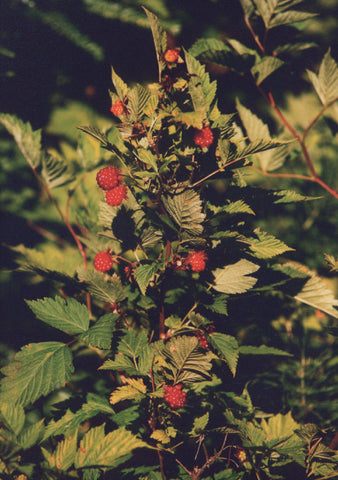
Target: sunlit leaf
[(105, 288), (235, 278), (227, 347)]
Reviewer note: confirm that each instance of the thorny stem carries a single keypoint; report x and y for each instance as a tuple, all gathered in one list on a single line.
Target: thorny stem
[(68, 225)]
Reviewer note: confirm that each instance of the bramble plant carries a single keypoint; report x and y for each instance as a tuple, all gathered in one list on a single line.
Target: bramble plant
[(147, 378)]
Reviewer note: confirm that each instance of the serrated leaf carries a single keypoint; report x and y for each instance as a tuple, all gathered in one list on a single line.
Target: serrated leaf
[(292, 16), (191, 119), (132, 343), (227, 347), (100, 334), (200, 424), (135, 390), (54, 171), (64, 455), (262, 350), (332, 262), (143, 275), (160, 40), (186, 209), (201, 90), (326, 83), (239, 206), (186, 360), (121, 362), (147, 157), (219, 305), (266, 246), (30, 435), (248, 7), (95, 133), (13, 416), (289, 196), (38, 369), (120, 87), (138, 98), (105, 288), (28, 141), (69, 315), (235, 278), (106, 451), (265, 68), (160, 436)]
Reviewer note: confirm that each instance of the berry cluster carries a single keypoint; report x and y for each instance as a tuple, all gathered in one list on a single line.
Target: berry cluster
[(174, 396), (171, 55), (197, 260), (204, 137), (202, 339), (110, 179), (117, 108), (103, 261)]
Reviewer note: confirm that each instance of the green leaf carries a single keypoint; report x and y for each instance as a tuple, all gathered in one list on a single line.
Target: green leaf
[(235, 278), (292, 16), (200, 424), (13, 416), (121, 362), (144, 274), (261, 350), (138, 98), (104, 288), (201, 90), (332, 262), (95, 133), (227, 347), (248, 7), (120, 87), (28, 141), (54, 171), (266, 246), (160, 436), (30, 435), (160, 40), (265, 68), (106, 451), (186, 360), (186, 209), (239, 206), (289, 196), (326, 83), (219, 305), (64, 454), (69, 315), (132, 343), (191, 119), (135, 390), (100, 334), (38, 369)]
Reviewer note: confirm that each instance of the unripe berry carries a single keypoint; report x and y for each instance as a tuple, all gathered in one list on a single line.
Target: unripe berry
[(117, 108), (108, 177), (115, 196), (103, 261), (204, 137), (197, 260), (171, 55), (174, 396)]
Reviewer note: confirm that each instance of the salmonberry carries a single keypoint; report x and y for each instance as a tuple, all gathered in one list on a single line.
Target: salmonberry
[(197, 260), (103, 261), (116, 195), (204, 137), (117, 108), (171, 55), (108, 177), (202, 339), (174, 396)]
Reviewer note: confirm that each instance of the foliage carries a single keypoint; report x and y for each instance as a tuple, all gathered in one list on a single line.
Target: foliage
[(91, 403)]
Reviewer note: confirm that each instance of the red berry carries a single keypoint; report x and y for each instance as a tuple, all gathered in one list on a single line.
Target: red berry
[(116, 195), (174, 396), (108, 177), (117, 108), (103, 262), (202, 339), (204, 137), (171, 55), (197, 260)]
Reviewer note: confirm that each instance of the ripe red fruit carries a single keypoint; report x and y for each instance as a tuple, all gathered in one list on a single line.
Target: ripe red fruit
[(204, 137), (103, 261), (116, 195), (171, 55), (117, 108), (197, 260), (202, 339), (108, 177), (174, 396)]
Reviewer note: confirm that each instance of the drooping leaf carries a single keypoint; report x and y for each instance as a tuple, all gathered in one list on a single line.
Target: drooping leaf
[(261, 350), (28, 141), (160, 40), (13, 416), (235, 278), (105, 288), (326, 83), (266, 246), (143, 275), (38, 369), (186, 209), (69, 315), (265, 68), (187, 362), (120, 87), (106, 451), (227, 347), (100, 334), (135, 390)]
